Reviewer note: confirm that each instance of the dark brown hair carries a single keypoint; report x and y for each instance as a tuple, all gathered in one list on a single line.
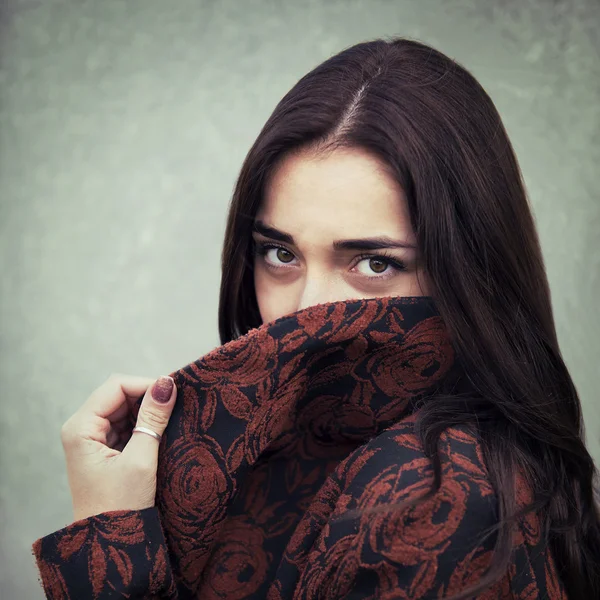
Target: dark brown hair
[(439, 134)]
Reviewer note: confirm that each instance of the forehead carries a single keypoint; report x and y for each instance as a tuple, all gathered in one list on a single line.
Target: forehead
[(344, 193)]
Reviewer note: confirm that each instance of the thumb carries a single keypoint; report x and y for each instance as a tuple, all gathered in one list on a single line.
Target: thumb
[(154, 414)]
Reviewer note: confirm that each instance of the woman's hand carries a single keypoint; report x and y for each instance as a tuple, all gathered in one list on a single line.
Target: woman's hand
[(109, 468)]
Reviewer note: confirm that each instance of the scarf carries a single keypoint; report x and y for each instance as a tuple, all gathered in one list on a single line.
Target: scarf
[(279, 445)]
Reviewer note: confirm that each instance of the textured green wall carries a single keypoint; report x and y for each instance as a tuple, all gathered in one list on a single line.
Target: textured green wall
[(122, 127)]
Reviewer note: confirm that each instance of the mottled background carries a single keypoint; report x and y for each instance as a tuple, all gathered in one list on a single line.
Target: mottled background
[(122, 127)]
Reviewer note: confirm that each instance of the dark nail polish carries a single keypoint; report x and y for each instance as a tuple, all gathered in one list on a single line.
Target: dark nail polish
[(161, 390)]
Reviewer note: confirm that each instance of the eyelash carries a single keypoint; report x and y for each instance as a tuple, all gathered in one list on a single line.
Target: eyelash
[(397, 265), (261, 249)]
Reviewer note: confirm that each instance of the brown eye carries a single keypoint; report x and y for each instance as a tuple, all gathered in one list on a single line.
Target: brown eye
[(377, 265), (284, 256)]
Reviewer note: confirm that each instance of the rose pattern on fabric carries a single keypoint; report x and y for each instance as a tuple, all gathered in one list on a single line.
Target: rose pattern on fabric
[(283, 473), (328, 423), (425, 357), (193, 479), (101, 547), (239, 563)]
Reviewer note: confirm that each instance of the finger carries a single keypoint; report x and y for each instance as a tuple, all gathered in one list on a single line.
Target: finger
[(122, 426), (110, 399), (155, 411), (112, 438)]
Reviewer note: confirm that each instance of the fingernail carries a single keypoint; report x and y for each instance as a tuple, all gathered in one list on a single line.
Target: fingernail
[(161, 390)]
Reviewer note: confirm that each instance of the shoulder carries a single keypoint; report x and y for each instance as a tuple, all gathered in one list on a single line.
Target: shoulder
[(390, 532), (393, 467), (387, 495)]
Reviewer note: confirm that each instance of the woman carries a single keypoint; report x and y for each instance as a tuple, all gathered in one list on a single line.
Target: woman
[(385, 173)]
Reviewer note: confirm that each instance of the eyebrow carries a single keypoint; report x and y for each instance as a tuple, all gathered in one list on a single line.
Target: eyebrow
[(272, 233), (374, 243)]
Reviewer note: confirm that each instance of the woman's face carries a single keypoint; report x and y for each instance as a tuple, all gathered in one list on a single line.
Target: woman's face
[(332, 227)]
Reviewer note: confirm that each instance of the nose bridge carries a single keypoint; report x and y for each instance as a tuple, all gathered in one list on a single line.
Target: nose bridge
[(318, 289)]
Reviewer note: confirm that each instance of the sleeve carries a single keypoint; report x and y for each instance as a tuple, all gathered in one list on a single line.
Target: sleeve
[(117, 554), (373, 547)]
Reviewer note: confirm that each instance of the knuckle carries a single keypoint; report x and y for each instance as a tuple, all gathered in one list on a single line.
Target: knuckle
[(67, 432), (152, 419), (109, 386), (113, 380)]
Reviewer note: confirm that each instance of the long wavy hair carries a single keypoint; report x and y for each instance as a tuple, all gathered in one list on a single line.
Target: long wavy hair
[(440, 136)]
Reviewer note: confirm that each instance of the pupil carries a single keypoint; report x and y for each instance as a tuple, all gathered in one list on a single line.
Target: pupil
[(284, 255), (377, 265)]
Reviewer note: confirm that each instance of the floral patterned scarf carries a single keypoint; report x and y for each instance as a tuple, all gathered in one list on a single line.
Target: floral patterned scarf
[(280, 443)]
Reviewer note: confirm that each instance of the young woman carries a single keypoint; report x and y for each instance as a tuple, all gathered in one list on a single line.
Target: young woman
[(384, 173)]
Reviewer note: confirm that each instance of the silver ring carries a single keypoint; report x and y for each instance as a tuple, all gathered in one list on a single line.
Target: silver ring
[(155, 435)]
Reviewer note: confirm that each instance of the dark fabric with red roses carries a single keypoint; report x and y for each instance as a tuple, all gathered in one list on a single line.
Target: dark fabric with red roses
[(278, 443)]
